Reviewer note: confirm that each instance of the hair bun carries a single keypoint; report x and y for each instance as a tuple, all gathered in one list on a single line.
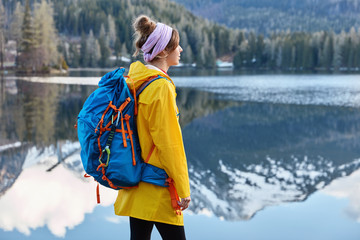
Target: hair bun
[(144, 25)]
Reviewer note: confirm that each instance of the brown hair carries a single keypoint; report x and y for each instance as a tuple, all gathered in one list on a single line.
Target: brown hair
[(143, 27)]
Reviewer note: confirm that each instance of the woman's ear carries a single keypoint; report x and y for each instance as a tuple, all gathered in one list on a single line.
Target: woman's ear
[(163, 54)]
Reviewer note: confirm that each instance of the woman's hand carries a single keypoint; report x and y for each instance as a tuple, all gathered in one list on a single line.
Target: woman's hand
[(184, 203)]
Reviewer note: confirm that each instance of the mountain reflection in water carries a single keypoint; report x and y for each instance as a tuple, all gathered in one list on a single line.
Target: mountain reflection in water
[(259, 154), (243, 156)]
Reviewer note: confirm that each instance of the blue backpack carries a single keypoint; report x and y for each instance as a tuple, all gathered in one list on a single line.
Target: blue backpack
[(110, 149)]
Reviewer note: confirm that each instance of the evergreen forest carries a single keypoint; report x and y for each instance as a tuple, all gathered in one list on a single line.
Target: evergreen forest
[(267, 16), (98, 33)]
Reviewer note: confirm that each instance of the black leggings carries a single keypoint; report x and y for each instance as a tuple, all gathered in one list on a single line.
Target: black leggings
[(141, 230)]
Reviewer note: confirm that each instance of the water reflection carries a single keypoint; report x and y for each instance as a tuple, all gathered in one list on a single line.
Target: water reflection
[(347, 188), (255, 155), (58, 200), (243, 156), (40, 113)]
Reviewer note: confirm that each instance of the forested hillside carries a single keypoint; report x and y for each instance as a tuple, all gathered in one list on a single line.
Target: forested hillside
[(266, 16), (98, 33), (93, 30)]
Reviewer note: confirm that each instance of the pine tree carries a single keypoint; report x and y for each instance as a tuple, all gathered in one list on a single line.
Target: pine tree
[(124, 51), (307, 62), (346, 51), (237, 60), (16, 23), (74, 56), (85, 59), (188, 55), (260, 51), (46, 39), (200, 58), (357, 56), (251, 59), (271, 51), (111, 31), (329, 51), (354, 42), (27, 45), (104, 48), (241, 56), (208, 53), (92, 44), (279, 55), (117, 48), (239, 38), (2, 35), (287, 53), (337, 60)]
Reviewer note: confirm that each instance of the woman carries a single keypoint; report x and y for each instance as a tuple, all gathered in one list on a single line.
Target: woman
[(157, 125)]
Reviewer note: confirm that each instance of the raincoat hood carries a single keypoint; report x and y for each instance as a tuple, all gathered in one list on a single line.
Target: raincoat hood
[(139, 73)]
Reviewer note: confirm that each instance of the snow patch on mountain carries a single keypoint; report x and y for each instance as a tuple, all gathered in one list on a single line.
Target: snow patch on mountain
[(51, 155), (256, 187)]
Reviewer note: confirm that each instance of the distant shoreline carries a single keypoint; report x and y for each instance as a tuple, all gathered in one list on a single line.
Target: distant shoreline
[(183, 71)]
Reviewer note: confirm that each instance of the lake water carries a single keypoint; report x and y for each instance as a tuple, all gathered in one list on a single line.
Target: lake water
[(270, 157)]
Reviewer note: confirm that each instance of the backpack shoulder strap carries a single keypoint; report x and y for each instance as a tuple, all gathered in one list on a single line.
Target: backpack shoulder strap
[(140, 89), (145, 84)]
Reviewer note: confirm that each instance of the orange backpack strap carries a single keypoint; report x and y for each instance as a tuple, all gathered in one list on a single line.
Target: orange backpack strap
[(149, 155), (134, 93), (174, 196), (97, 188), (98, 193)]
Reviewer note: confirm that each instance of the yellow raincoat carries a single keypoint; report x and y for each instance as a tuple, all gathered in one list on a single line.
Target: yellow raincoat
[(158, 125)]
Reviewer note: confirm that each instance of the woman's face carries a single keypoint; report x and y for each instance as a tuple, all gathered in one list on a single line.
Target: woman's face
[(174, 57)]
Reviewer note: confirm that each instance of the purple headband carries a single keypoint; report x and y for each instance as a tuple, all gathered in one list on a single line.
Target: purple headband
[(157, 41)]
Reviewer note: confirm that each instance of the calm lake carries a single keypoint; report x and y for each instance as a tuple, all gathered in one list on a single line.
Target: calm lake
[(270, 157)]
